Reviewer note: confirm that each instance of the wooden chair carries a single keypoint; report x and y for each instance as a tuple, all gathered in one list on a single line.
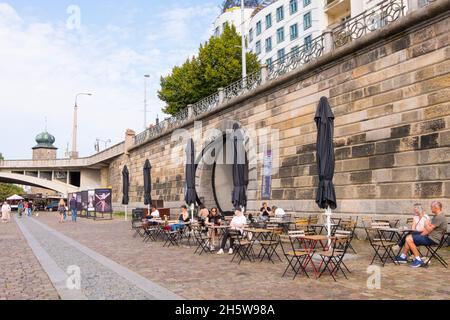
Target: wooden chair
[(294, 256), (332, 260), (379, 242)]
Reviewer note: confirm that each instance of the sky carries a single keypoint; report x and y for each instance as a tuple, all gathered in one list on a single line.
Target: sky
[(50, 50)]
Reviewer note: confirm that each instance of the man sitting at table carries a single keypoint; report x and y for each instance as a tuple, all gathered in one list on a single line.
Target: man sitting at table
[(279, 212), (237, 224), (265, 212), (148, 221), (431, 235)]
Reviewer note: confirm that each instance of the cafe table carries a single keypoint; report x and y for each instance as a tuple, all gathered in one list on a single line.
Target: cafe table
[(310, 243)]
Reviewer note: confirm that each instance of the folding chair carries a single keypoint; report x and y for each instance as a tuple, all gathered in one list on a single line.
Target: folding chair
[(242, 246), (136, 224), (301, 224), (295, 256), (332, 260), (270, 244), (432, 252), (151, 232), (380, 244), (349, 228), (172, 237), (203, 240)]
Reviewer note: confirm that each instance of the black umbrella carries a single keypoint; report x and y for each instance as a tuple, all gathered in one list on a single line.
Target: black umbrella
[(125, 189), (125, 185), (239, 197), (148, 183), (191, 194), (326, 196)]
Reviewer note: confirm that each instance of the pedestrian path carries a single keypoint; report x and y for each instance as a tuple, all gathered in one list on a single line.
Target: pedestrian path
[(101, 278)]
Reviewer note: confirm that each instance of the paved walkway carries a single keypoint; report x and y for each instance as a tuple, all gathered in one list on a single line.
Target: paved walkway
[(101, 278)]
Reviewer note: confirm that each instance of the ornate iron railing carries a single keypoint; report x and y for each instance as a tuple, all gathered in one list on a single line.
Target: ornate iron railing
[(242, 86), (373, 19), (294, 59), (206, 104)]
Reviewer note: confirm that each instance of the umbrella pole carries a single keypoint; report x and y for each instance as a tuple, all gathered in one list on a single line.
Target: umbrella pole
[(126, 213), (192, 212), (328, 215)]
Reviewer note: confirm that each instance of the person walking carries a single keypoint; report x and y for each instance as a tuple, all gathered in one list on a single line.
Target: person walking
[(30, 208), (20, 208), (73, 208), (62, 210), (6, 212)]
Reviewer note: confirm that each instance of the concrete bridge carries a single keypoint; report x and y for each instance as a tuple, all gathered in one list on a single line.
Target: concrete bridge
[(62, 175)]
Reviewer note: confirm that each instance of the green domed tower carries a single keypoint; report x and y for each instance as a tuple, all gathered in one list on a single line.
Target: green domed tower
[(44, 150)]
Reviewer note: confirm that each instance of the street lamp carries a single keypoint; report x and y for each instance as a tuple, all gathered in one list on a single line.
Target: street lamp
[(74, 153), (145, 100)]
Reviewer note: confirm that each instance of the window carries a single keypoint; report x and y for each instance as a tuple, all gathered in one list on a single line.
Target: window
[(295, 50), (268, 21), (217, 32), (250, 35), (306, 3), (294, 31), (258, 47), (308, 42), (280, 35), (280, 55), (293, 6), (268, 44), (269, 62), (258, 28), (280, 14), (307, 21)]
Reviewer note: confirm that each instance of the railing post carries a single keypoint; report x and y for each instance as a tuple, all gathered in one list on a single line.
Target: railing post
[(190, 111), (328, 42), (221, 95), (264, 73)]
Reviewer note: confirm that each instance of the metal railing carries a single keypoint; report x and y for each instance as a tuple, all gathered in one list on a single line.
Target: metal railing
[(370, 20), (373, 19), (303, 55)]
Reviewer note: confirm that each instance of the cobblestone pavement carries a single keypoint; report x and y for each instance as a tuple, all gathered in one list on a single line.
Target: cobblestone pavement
[(100, 278), (215, 277), (21, 275)]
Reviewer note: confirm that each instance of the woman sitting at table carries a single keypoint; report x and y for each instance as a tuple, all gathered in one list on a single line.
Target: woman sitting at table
[(419, 221), (203, 218), (214, 219)]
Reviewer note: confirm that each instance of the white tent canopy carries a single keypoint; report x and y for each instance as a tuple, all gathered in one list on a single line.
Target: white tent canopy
[(15, 198)]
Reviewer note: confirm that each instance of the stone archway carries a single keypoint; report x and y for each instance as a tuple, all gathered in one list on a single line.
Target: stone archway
[(214, 176)]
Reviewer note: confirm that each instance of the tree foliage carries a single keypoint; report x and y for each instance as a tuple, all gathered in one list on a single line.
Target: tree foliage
[(8, 190), (218, 64)]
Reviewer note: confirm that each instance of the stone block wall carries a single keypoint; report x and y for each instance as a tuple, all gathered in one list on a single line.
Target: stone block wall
[(392, 106)]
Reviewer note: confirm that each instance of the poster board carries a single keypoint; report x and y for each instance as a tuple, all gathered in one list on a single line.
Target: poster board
[(103, 203)]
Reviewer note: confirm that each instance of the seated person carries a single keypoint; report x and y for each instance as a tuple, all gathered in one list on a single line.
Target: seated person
[(155, 213), (431, 235), (184, 216), (148, 221), (420, 217), (279, 212), (214, 219), (237, 224), (203, 218), (265, 212)]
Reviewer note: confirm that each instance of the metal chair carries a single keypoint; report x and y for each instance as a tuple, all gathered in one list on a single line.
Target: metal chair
[(294, 255), (270, 244), (332, 260), (242, 246), (203, 240), (432, 252), (379, 242)]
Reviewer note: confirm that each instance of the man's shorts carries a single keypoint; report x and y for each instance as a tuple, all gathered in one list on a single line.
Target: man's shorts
[(420, 240)]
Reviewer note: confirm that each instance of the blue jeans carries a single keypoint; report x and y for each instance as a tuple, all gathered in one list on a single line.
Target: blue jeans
[(30, 212), (74, 215), (420, 240)]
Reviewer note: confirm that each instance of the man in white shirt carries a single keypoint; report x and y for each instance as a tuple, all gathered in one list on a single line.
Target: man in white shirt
[(237, 223), (155, 213), (279, 212)]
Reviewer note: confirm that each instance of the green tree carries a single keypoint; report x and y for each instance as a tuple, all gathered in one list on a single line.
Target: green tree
[(7, 190), (1, 156), (218, 64)]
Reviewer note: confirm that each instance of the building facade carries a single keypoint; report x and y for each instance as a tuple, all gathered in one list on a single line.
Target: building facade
[(274, 28)]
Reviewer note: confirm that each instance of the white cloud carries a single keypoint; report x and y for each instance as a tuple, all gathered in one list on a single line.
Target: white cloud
[(44, 64)]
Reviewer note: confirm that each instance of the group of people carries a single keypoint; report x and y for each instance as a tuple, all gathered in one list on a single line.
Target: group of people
[(427, 232), (62, 209), (266, 212), (23, 207)]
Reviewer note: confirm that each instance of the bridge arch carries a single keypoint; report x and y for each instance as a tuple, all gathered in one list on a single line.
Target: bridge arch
[(60, 187)]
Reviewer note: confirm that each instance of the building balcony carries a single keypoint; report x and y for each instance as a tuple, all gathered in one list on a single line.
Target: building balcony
[(337, 10)]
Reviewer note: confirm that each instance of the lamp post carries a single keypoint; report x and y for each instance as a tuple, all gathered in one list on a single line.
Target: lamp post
[(244, 57), (145, 100), (74, 153)]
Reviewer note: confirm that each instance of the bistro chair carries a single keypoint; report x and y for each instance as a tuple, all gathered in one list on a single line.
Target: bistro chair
[(332, 260), (151, 232), (172, 236), (432, 252), (202, 238), (381, 244), (301, 224), (136, 223), (270, 244), (295, 256), (242, 246), (348, 227)]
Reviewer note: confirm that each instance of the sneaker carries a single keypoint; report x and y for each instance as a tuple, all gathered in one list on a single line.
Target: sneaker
[(220, 252), (399, 259), (417, 264), (212, 248), (230, 251)]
